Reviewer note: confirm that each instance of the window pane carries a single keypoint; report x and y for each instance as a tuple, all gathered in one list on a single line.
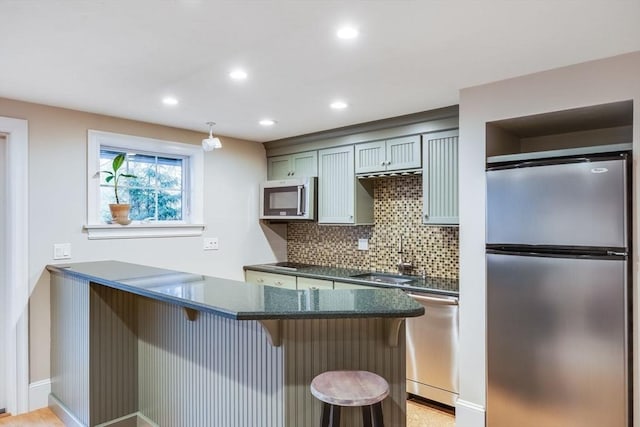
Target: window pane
[(170, 175), (144, 168), (169, 206), (143, 204), (156, 192)]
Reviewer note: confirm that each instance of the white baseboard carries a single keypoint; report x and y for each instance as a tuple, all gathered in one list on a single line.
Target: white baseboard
[(39, 394), (132, 420), (469, 414), (63, 413)]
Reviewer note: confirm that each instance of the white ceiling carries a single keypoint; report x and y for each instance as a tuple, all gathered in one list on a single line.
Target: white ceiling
[(122, 57)]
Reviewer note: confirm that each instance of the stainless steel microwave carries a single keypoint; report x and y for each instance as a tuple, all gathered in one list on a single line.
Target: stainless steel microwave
[(288, 199)]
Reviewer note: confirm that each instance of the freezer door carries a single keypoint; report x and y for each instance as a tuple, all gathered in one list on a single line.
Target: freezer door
[(571, 204), (556, 341)]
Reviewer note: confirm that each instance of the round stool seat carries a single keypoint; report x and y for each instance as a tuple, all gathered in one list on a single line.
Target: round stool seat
[(349, 388)]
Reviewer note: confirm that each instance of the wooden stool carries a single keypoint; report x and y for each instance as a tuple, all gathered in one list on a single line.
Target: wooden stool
[(350, 388)]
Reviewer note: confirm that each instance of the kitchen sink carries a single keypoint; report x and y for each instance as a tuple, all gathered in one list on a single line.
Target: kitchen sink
[(383, 278)]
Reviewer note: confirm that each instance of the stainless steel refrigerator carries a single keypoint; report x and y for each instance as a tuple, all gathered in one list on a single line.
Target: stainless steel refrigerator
[(558, 305)]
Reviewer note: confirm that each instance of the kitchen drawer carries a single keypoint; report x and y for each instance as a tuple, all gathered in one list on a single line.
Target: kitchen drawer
[(345, 285), (270, 279), (307, 283)]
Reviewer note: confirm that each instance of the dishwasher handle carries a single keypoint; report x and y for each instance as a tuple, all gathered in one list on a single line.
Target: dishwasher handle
[(434, 299)]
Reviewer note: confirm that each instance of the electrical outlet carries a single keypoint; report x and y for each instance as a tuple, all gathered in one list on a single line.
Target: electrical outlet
[(210, 244), (62, 251), (363, 244)]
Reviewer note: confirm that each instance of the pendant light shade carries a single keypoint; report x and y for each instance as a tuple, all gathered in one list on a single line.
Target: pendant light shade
[(211, 143)]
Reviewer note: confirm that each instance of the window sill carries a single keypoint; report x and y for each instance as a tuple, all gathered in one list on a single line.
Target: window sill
[(142, 230)]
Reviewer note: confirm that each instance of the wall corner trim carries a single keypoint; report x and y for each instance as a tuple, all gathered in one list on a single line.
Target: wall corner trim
[(469, 414), (39, 394)]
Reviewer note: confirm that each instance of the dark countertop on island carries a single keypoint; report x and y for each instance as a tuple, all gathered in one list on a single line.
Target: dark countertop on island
[(240, 300), (436, 285)]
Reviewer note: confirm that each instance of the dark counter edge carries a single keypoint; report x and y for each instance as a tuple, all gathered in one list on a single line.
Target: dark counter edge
[(350, 279), (66, 270)]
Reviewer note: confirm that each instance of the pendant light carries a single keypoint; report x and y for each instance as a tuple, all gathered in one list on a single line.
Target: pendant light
[(211, 143)]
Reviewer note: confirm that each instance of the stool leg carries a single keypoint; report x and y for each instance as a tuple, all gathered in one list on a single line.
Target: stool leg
[(330, 415), (377, 415), (326, 415), (335, 416), (366, 416)]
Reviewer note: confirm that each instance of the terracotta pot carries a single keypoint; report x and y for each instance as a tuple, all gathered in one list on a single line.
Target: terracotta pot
[(120, 213)]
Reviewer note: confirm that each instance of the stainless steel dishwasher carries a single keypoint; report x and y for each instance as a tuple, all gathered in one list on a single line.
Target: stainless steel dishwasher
[(432, 349)]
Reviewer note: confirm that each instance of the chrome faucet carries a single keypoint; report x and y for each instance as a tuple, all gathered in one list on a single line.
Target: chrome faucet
[(403, 265)]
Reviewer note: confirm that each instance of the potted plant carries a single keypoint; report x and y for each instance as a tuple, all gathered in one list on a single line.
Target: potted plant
[(119, 211)]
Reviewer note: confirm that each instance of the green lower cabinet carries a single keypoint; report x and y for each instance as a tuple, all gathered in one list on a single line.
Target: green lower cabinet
[(270, 279), (308, 283)]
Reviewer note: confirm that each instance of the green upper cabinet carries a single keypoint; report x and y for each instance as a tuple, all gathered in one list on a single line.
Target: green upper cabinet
[(440, 178), (390, 155), (291, 166), (342, 198), (371, 157)]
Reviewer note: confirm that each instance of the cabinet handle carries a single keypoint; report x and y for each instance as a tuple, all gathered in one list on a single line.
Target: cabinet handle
[(313, 288), (260, 280), (388, 162), (383, 163), (293, 173), (278, 283)]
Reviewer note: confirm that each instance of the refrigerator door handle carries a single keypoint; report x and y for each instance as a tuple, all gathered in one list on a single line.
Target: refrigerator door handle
[(614, 253)]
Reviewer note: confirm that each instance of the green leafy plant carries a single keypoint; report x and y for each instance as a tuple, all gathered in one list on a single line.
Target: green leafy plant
[(114, 175)]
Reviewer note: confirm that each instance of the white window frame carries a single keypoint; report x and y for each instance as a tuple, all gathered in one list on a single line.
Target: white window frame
[(191, 225)]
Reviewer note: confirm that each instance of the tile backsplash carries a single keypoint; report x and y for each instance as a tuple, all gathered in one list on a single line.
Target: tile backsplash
[(397, 212)]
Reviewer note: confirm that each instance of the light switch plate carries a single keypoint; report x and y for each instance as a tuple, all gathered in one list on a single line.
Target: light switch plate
[(62, 251), (363, 244)]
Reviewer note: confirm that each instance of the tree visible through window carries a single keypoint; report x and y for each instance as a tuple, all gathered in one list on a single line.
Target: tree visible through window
[(157, 192)]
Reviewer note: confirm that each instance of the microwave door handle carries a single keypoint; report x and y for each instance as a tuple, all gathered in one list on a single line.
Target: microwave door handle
[(300, 199)]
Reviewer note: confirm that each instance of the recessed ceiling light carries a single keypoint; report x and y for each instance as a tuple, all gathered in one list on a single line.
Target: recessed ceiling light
[(238, 74), (338, 105), (347, 33), (267, 122), (169, 100)]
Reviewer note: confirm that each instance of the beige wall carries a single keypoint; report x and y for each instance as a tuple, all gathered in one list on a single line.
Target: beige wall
[(3, 308), (57, 208), (581, 85)]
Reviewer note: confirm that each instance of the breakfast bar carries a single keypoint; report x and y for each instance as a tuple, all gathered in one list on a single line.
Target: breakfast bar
[(136, 345)]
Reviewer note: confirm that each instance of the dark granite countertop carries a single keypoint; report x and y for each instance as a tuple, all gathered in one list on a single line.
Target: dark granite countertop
[(436, 285), (240, 300)]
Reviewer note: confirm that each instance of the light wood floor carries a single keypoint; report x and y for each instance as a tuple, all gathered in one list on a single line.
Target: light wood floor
[(418, 415), (40, 418)]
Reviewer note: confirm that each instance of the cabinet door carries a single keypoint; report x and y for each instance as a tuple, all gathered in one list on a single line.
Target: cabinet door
[(336, 184), (279, 167), (270, 279), (308, 283), (304, 164), (403, 153), (440, 180), (370, 157)]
